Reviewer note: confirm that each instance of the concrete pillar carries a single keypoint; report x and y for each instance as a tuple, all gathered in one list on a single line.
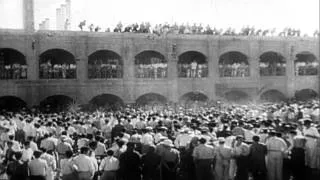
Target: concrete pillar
[(127, 54), (68, 14), (47, 24), (213, 67), (28, 15), (58, 19), (82, 71), (289, 53), (253, 60), (172, 71), (63, 16)]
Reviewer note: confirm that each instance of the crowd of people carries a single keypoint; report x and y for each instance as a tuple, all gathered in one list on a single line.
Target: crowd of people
[(272, 69), (166, 28), (234, 70), (49, 70), (193, 70), (13, 71), (221, 141), (306, 68), (154, 70), (105, 70)]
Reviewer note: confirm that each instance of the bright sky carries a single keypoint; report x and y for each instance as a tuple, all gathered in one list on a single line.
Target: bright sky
[(302, 14)]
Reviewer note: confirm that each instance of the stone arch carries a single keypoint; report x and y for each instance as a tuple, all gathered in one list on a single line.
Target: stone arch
[(57, 64), (13, 64), (105, 64), (57, 102), (272, 63), (234, 64), (151, 99), (306, 94), (192, 97), (12, 103), (306, 64), (150, 64), (236, 96), (192, 64), (108, 101), (272, 95)]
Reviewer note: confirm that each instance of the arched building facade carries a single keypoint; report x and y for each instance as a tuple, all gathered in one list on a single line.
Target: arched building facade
[(129, 68)]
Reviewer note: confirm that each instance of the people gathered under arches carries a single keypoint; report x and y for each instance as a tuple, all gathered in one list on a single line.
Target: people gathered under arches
[(234, 64), (57, 64), (272, 64), (13, 64), (105, 64), (150, 64), (192, 64), (306, 64)]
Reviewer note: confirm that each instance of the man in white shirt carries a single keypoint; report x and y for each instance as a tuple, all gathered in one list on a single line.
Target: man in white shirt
[(109, 166), (27, 152), (147, 140)]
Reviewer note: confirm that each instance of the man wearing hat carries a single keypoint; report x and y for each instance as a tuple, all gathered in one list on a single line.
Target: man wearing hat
[(37, 167), (311, 133), (84, 165), (203, 156), (257, 159), (223, 156), (183, 139), (241, 152), (170, 160), (130, 164), (147, 139), (276, 149)]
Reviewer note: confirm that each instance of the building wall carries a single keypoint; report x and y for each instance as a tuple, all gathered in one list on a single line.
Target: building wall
[(82, 44)]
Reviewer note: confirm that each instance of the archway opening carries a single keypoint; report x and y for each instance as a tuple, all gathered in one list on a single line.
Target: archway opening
[(272, 96), (306, 64), (234, 64), (306, 94), (107, 101), (192, 64), (13, 64), (56, 103), (272, 64), (193, 99), (150, 64), (105, 64), (12, 103), (236, 96), (151, 99), (57, 64)]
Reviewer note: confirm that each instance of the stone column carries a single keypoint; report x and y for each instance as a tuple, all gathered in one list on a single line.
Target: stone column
[(253, 60), (213, 67), (127, 54), (172, 77), (289, 53), (28, 15)]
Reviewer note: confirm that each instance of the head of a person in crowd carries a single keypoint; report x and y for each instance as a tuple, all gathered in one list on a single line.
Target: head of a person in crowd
[(10, 144), (221, 140), (18, 155), (151, 149), (130, 146), (307, 122), (27, 144), (69, 154), (202, 140), (110, 152), (167, 143), (239, 138), (272, 133), (255, 139), (11, 137), (84, 150), (37, 154)]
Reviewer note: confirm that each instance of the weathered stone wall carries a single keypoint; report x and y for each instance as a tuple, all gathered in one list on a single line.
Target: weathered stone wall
[(82, 44)]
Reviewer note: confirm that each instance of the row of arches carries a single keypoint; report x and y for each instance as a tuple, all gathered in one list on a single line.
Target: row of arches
[(61, 102), (106, 64)]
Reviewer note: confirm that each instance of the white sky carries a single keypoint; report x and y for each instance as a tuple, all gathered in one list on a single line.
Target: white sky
[(302, 14)]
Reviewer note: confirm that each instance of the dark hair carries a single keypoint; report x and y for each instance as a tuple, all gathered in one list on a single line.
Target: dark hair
[(69, 154), (84, 150), (202, 140), (18, 155), (110, 152), (37, 154), (256, 138)]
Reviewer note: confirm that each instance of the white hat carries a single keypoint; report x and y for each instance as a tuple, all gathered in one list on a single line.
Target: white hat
[(167, 142)]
